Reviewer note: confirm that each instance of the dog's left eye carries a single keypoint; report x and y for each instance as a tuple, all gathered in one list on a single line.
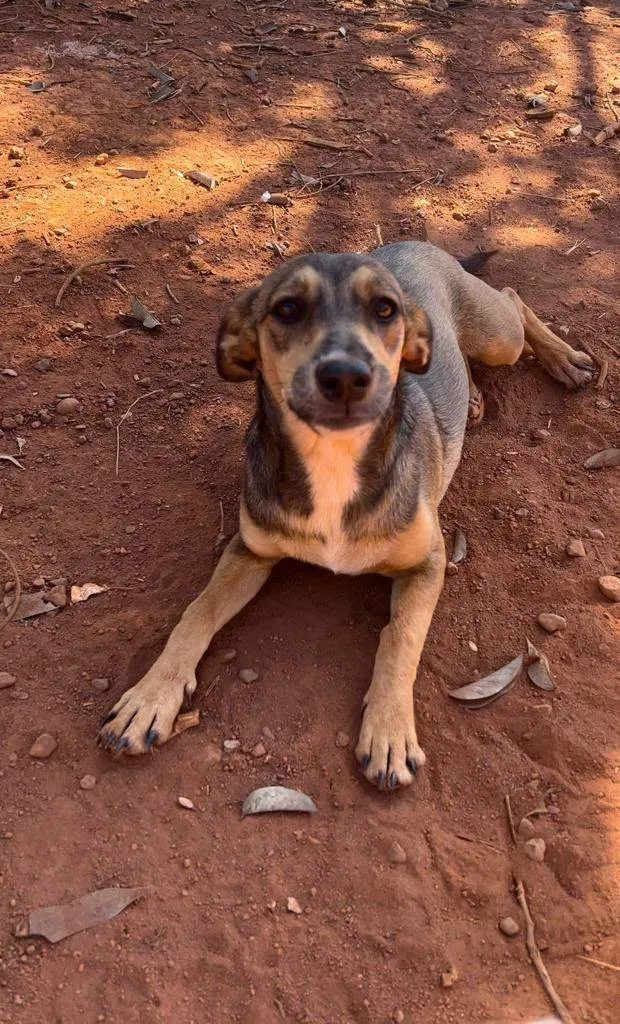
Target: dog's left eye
[(385, 309), (289, 311)]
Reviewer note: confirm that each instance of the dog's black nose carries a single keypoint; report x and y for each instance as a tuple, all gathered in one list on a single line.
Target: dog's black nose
[(343, 380)]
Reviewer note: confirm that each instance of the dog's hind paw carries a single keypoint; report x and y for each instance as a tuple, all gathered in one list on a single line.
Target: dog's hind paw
[(572, 368), (388, 749), (144, 716)]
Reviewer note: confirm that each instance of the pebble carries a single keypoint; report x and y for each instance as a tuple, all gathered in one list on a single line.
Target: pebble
[(267, 733), (448, 978), (248, 675), (228, 656), (493, 147), (551, 622), (293, 906), (398, 1017), (16, 153), (535, 849), (396, 854), (183, 801), (575, 548), (526, 830), (594, 533), (67, 406), (43, 746), (259, 750), (100, 684), (19, 695), (609, 587), (508, 926), (230, 745), (8, 423), (6, 680), (211, 755), (88, 782), (101, 159), (342, 739), (540, 435), (43, 365)]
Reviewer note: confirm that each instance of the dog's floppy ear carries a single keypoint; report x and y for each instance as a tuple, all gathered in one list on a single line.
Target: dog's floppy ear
[(416, 354), (236, 348)]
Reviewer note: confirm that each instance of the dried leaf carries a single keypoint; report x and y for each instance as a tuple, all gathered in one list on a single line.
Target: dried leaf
[(131, 172), (485, 690), (13, 460), (30, 605), (58, 922), (38, 86), (276, 199), (277, 798), (82, 593), (21, 444), (143, 315), (188, 720), (459, 548), (537, 668), (162, 76), (600, 460), (606, 133), (540, 114), (206, 180), (574, 130)]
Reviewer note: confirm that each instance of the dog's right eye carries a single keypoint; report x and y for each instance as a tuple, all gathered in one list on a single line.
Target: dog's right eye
[(288, 311)]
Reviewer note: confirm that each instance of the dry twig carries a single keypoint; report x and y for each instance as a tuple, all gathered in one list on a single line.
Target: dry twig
[(80, 270), (140, 398), (536, 958), (599, 963), (18, 588), (511, 821)]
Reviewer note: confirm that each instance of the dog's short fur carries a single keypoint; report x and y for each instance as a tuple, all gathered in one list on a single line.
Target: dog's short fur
[(363, 389)]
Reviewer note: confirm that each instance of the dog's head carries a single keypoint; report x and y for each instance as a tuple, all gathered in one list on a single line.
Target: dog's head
[(329, 334)]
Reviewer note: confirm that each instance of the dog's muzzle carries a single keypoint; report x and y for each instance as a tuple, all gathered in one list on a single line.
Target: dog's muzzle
[(343, 380)]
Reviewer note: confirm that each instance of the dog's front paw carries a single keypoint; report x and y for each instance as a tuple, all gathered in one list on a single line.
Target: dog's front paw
[(144, 716), (388, 748), (572, 368)]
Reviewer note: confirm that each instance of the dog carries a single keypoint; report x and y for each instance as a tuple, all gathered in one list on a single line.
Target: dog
[(363, 392)]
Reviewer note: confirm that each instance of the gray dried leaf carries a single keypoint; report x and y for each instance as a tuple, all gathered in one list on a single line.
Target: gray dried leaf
[(143, 315), (30, 605), (459, 548), (251, 74), (85, 591), (277, 798), (21, 444), (58, 922), (488, 689), (38, 86), (604, 459), (162, 76), (199, 178), (537, 668), (131, 172)]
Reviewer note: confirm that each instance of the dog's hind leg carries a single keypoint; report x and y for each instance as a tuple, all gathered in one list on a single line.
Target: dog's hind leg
[(145, 714)]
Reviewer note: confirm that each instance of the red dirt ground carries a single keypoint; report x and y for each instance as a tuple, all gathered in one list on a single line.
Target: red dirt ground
[(436, 93)]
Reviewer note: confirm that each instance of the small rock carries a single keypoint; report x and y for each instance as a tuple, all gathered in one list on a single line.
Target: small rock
[(19, 695), (396, 854), (508, 926), (248, 675), (526, 830), (398, 1017), (551, 622), (101, 159), (228, 656), (587, 948), (43, 365), (609, 587), (594, 533), (267, 733), (551, 86), (8, 423), (575, 548), (493, 147), (16, 153), (70, 183), (67, 406), (36, 131), (183, 801), (540, 435), (449, 977), (8, 371), (211, 755), (88, 782), (535, 849), (251, 74), (342, 739), (231, 745), (43, 746), (6, 680), (259, 750), (293, 906), (100, 684)]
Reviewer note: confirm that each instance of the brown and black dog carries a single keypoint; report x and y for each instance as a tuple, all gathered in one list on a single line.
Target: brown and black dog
[(363, 388)]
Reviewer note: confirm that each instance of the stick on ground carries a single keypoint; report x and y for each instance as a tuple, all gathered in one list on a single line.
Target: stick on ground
[(80, 270), (511, 821), (536, 958), (18, 588), (140, 398), (599, 963)]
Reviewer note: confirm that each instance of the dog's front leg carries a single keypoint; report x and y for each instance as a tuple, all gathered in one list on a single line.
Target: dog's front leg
[(388, 748), (145, 714)]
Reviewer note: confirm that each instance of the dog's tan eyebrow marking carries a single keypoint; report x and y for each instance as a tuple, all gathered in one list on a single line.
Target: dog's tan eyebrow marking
[(304, 281), (366, 284)]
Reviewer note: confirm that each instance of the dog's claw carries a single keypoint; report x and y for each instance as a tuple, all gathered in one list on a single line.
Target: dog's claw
[(412, 766), (108, 718), (365, 761), (152, 737), (381, 779)]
